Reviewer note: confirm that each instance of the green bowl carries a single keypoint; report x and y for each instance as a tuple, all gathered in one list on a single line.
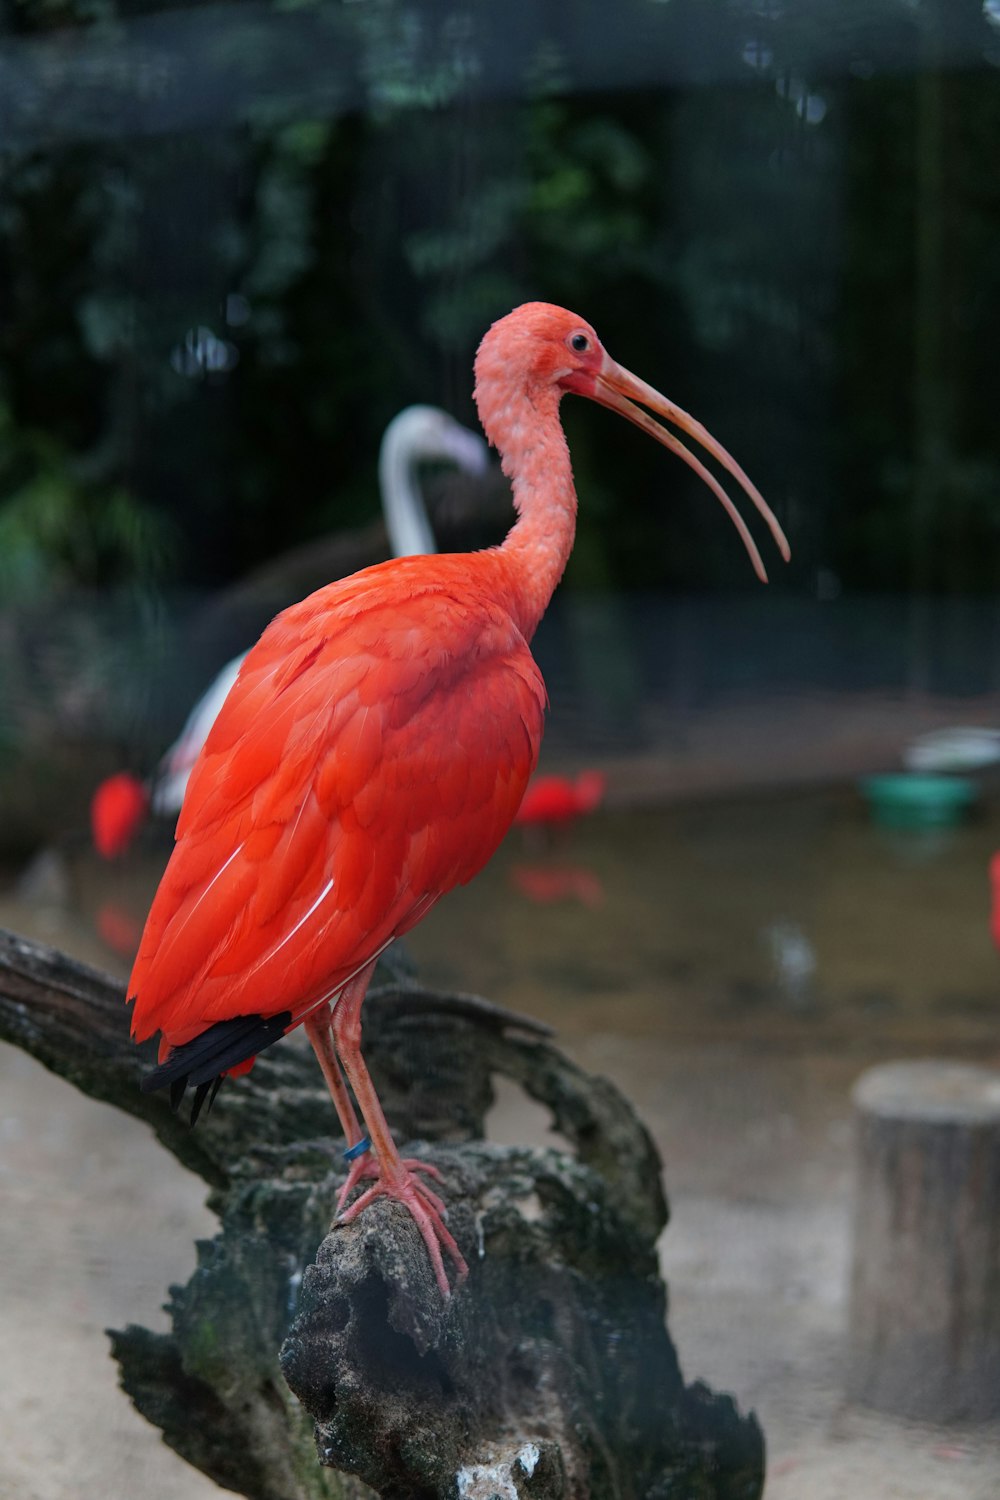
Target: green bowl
[(905, 799)]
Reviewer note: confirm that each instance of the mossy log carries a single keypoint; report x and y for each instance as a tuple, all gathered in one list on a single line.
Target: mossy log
[(550, 1373)]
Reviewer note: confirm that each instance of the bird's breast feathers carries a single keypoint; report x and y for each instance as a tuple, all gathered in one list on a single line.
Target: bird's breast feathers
[(371, 755)]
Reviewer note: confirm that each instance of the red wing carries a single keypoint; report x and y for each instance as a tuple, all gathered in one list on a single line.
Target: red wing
[(357, 771)]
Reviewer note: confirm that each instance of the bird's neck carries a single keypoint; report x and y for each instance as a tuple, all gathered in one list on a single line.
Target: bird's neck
[(536, 460), (405, 515)]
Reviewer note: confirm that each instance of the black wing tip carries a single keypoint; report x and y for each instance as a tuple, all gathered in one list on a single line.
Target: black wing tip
[(204, 1061), (205, 1091)]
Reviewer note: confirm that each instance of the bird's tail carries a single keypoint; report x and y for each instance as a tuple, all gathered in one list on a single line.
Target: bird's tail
[(207, 1058)]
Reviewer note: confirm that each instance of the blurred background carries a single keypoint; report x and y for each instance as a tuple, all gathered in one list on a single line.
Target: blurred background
[(235, 241)]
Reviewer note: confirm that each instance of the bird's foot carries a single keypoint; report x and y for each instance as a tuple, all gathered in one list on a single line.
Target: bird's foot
[(427, 1209), (367, 1166)]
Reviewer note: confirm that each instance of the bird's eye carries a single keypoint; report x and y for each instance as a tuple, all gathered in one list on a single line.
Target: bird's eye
[(579, 342)]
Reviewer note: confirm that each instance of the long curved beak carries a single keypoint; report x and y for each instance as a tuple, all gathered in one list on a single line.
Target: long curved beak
[(616, 388)]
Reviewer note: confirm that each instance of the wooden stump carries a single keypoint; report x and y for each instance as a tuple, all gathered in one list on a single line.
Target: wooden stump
[(925, 1287)]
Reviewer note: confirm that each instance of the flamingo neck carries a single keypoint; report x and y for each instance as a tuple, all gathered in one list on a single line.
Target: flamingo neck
[(535, 458), (402, 503)]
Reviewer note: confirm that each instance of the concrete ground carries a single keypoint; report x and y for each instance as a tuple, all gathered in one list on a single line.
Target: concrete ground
[(757, 1155)]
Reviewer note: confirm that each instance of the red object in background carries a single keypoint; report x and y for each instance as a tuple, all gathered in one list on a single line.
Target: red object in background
[(995, 898), (545, 884), (553, 800), (116, 810), (118, 929)]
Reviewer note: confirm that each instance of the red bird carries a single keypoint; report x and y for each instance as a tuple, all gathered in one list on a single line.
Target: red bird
[(116, 809), (554, 800), (371, 755)]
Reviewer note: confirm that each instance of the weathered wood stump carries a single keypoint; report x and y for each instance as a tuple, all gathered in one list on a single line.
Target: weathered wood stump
[(550, 1374), (925, 1288)]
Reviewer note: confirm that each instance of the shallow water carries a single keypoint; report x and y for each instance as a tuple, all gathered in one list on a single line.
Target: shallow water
[(777, 915)]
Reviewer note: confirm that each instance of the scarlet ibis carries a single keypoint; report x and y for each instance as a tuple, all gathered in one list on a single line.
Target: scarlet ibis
[(371, 755), (553, 800), (117, 808), (416, 435)]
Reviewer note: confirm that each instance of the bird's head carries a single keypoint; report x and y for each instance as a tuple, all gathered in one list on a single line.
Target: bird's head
[(532, 357), (538, 351)]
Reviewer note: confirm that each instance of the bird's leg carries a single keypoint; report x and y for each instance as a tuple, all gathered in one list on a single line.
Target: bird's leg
[(318, 1031), (395, 1175)]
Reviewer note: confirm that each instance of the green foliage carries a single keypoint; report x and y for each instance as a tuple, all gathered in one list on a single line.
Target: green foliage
[(57, 535), (804, 255)]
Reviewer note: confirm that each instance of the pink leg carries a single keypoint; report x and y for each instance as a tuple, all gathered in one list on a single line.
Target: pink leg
[(318, 1031), (395, 1177)]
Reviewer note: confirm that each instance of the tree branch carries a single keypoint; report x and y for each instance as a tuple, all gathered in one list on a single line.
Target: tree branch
[(550, 1374)]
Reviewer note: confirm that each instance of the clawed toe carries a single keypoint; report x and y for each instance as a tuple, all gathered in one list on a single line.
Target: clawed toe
[(424, 1205)]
